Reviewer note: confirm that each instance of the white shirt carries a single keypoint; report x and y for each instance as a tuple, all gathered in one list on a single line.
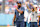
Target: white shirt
[(25, 15), (33, 17)]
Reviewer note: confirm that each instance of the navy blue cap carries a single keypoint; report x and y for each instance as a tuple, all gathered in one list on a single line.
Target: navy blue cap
[(19, 2)]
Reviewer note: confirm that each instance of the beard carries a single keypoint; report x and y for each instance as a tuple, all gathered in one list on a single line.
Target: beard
[(19, 6)]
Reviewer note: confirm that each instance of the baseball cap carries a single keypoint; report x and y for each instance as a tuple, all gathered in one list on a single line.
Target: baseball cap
[(19, 2)]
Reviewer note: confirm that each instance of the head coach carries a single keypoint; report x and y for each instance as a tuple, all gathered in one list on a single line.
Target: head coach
[(19, 15)]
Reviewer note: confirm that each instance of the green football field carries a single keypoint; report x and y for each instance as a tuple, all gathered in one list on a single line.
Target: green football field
[(3, 26)]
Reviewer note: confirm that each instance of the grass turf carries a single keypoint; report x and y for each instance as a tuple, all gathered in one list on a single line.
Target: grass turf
[(3, 26)]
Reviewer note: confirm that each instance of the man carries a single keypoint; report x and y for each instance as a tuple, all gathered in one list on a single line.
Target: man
[(19, 15), (33, 18)]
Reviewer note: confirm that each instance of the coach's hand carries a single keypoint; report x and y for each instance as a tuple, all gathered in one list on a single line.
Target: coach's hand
[(13, 23)]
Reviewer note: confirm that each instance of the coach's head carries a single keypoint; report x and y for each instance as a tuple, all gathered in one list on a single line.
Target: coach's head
[(19, 4)]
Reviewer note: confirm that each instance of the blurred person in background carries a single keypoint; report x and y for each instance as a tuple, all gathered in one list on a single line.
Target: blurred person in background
[(6, 9), (19, 15), (38, 21), (33, 18), (26, 14), (28, 17)]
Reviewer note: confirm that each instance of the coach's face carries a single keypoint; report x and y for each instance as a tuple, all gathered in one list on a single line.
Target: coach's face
[(19, 5)]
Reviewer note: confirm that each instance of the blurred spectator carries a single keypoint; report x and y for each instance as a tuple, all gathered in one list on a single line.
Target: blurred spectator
[(33, 18), (6, 9)]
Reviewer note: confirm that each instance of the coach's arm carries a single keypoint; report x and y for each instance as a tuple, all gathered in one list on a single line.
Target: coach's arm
[(14, 19), (19, 10)]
